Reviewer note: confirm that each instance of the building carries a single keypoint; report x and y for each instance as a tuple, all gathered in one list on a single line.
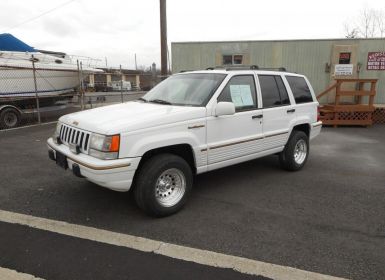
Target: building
[(101, 81), (139, 79), (320, 60)]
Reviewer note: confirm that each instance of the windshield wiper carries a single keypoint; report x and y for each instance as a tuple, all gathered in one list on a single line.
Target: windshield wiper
[(160, 101), (142, 99)]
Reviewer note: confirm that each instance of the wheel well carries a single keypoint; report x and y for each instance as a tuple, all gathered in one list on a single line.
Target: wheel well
[(185, 151), (303, 127), (5, 107)]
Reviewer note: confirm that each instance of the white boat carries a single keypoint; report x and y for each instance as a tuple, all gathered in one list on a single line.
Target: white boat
[(56, 73)]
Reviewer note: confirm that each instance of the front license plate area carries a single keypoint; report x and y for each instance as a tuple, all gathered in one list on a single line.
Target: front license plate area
[(61, 160)]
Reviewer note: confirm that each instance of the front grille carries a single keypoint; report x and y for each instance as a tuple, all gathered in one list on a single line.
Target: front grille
[(76, 136)]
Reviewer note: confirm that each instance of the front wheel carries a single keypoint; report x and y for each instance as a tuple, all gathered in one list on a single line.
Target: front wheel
[(296, 151), (163, 185)]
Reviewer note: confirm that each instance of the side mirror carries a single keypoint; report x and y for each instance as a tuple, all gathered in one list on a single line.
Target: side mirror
[(224, 108)]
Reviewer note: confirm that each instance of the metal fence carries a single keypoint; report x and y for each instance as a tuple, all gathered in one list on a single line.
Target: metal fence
[(32, 92)]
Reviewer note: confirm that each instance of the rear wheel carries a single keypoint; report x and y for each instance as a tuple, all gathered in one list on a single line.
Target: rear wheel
[(9, 118), (163, 185), (296, 151)]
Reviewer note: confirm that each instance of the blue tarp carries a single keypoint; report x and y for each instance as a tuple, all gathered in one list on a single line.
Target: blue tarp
[(11, 43)]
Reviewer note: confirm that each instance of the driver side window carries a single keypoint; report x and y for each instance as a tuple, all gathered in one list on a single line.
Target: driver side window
[(240, 90)]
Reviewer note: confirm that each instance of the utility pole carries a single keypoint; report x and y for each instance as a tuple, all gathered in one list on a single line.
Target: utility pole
[(163, 37), (136, 63)]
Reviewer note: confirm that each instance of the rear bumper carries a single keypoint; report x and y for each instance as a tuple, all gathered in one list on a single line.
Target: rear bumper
[(116, 174), (315, 129)]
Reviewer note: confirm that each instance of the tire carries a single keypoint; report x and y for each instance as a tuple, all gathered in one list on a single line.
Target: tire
[(296, 151), (163, 185), (9, 118)]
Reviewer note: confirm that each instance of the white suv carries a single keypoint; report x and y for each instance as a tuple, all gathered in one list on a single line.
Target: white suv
[(191, 123)]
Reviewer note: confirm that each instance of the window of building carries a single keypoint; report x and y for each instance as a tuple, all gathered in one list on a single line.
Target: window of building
[(240, 90), (273, 91), (227, 60), (235, 59), (238, 59), (300, 89), (344, 58)]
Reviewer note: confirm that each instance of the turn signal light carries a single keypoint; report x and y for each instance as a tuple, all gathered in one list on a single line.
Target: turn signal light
[(115, 142)]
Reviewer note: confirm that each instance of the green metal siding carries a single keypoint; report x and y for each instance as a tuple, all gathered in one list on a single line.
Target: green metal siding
[(307, 57)]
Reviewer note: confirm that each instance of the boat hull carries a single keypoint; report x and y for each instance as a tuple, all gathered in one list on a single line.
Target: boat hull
[(19, 82)]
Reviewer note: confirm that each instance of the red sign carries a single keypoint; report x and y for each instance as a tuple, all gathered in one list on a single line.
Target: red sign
[(344, 55), (344, 58), (376, 61)]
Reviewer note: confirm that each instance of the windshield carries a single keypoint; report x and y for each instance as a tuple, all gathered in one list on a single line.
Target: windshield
[(185, 89)]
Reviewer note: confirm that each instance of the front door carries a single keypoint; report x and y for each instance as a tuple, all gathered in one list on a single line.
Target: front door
[(231, 138)]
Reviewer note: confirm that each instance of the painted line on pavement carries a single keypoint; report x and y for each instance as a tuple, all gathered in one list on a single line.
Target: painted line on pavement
[(10, 274), (204, 257)]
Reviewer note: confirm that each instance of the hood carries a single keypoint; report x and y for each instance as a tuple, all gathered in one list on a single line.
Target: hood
[(131, 116)]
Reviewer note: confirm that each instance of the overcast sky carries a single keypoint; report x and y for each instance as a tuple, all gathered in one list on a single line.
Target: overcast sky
[(117, 29)]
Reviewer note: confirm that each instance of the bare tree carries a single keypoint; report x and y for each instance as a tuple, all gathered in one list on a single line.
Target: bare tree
[(380, 22), (368, 24), (350, 32)]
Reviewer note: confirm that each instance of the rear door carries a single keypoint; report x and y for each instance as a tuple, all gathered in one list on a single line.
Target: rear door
[(278, 111)]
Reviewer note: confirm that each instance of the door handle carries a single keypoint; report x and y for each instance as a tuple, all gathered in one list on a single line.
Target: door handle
[(290, 111), (257, 117)]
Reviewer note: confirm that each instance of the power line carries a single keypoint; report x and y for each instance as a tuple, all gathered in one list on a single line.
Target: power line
[(39, 16)]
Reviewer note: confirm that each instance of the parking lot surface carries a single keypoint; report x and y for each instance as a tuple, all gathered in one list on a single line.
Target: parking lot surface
[(328, 218)]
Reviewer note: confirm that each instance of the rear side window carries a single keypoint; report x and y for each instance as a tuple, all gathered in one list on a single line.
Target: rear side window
[(282, 91), (273, 91), (300, 89)]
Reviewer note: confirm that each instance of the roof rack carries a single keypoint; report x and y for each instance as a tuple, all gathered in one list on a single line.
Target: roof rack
[(243, 67), (234, 67), (282, 69), (246, 67)]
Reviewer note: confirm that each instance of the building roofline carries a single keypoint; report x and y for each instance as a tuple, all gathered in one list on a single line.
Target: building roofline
[(278, 40)]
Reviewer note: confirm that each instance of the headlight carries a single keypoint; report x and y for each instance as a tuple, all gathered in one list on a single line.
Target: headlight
[(56, 134), (104, 147)]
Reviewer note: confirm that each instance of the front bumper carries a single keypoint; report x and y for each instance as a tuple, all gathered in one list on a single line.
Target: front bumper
[(116, 174)]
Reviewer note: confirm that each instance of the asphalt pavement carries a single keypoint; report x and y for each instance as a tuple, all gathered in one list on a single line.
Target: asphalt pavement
[(328, 218), (54, 256)]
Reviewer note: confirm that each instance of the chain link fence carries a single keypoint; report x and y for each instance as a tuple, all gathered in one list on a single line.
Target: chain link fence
[(32, 92), (29, 87)]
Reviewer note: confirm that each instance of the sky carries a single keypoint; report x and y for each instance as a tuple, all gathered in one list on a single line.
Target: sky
[(114, 31)]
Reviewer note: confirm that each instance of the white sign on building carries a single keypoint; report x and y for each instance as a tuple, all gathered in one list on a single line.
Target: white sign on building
[(343, 70)]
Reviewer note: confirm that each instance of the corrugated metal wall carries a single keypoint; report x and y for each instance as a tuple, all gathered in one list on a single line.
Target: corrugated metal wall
[(307, 57)]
